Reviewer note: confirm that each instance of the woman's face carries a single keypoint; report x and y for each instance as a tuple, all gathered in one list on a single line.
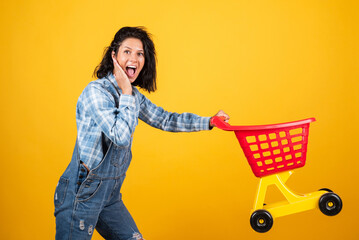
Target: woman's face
[(131, 57)]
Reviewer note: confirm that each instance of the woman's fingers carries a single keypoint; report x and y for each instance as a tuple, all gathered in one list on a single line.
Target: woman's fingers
[(221, 113), (117, 67)]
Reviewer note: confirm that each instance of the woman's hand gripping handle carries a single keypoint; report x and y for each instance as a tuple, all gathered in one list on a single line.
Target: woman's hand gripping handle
[(221, 114)]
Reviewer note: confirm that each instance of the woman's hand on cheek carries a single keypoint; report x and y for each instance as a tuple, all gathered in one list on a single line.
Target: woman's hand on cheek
[(121, 77)]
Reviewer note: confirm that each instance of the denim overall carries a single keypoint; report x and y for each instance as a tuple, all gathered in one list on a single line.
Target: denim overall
[(88, 200)]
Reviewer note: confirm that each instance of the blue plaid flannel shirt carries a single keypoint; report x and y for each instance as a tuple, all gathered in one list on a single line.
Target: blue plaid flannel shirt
[(100, 110)]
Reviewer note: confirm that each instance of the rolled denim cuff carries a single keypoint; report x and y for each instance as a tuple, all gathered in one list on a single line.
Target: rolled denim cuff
[(204, 125)]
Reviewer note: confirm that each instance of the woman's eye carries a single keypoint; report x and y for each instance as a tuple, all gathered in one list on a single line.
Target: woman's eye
[(140, 54), (126, 51)]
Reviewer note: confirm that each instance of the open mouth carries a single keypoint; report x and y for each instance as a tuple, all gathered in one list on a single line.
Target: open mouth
[(131, 71)]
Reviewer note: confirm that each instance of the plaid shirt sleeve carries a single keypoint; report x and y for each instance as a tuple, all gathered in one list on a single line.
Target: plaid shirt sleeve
[(170, 121), (117, 124)]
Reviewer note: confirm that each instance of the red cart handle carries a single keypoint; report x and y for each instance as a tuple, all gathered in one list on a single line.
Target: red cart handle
[(221, 124)]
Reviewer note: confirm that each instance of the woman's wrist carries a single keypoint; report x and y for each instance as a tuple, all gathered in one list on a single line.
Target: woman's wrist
[(127, 91), (210, 126)]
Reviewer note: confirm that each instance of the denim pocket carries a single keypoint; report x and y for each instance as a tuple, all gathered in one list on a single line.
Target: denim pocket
[(118, 155), (60, 192), (88, 189)]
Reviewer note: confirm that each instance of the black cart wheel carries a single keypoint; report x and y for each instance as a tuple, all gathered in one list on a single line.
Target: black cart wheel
[(330, 204), (261, 221)]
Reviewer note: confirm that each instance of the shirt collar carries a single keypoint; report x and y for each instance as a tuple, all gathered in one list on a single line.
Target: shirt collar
[(111, 77)]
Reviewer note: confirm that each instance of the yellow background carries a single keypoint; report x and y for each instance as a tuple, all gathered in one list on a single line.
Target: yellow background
[(260, 61)]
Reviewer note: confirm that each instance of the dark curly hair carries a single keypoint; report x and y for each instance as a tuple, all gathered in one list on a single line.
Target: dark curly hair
[(147, 77)]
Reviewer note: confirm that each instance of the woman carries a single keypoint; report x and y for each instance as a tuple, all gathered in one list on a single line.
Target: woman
[(88, 193)]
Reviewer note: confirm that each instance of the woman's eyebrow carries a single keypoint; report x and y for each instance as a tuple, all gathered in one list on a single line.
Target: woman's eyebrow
[(139, 49)]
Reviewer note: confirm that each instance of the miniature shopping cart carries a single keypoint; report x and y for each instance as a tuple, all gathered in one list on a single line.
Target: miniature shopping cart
[(273, 151)]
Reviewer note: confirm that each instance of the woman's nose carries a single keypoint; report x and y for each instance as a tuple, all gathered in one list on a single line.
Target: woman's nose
[(133, 58)]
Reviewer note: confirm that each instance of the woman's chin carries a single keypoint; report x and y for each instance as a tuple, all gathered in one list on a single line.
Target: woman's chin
[(132, 78)]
